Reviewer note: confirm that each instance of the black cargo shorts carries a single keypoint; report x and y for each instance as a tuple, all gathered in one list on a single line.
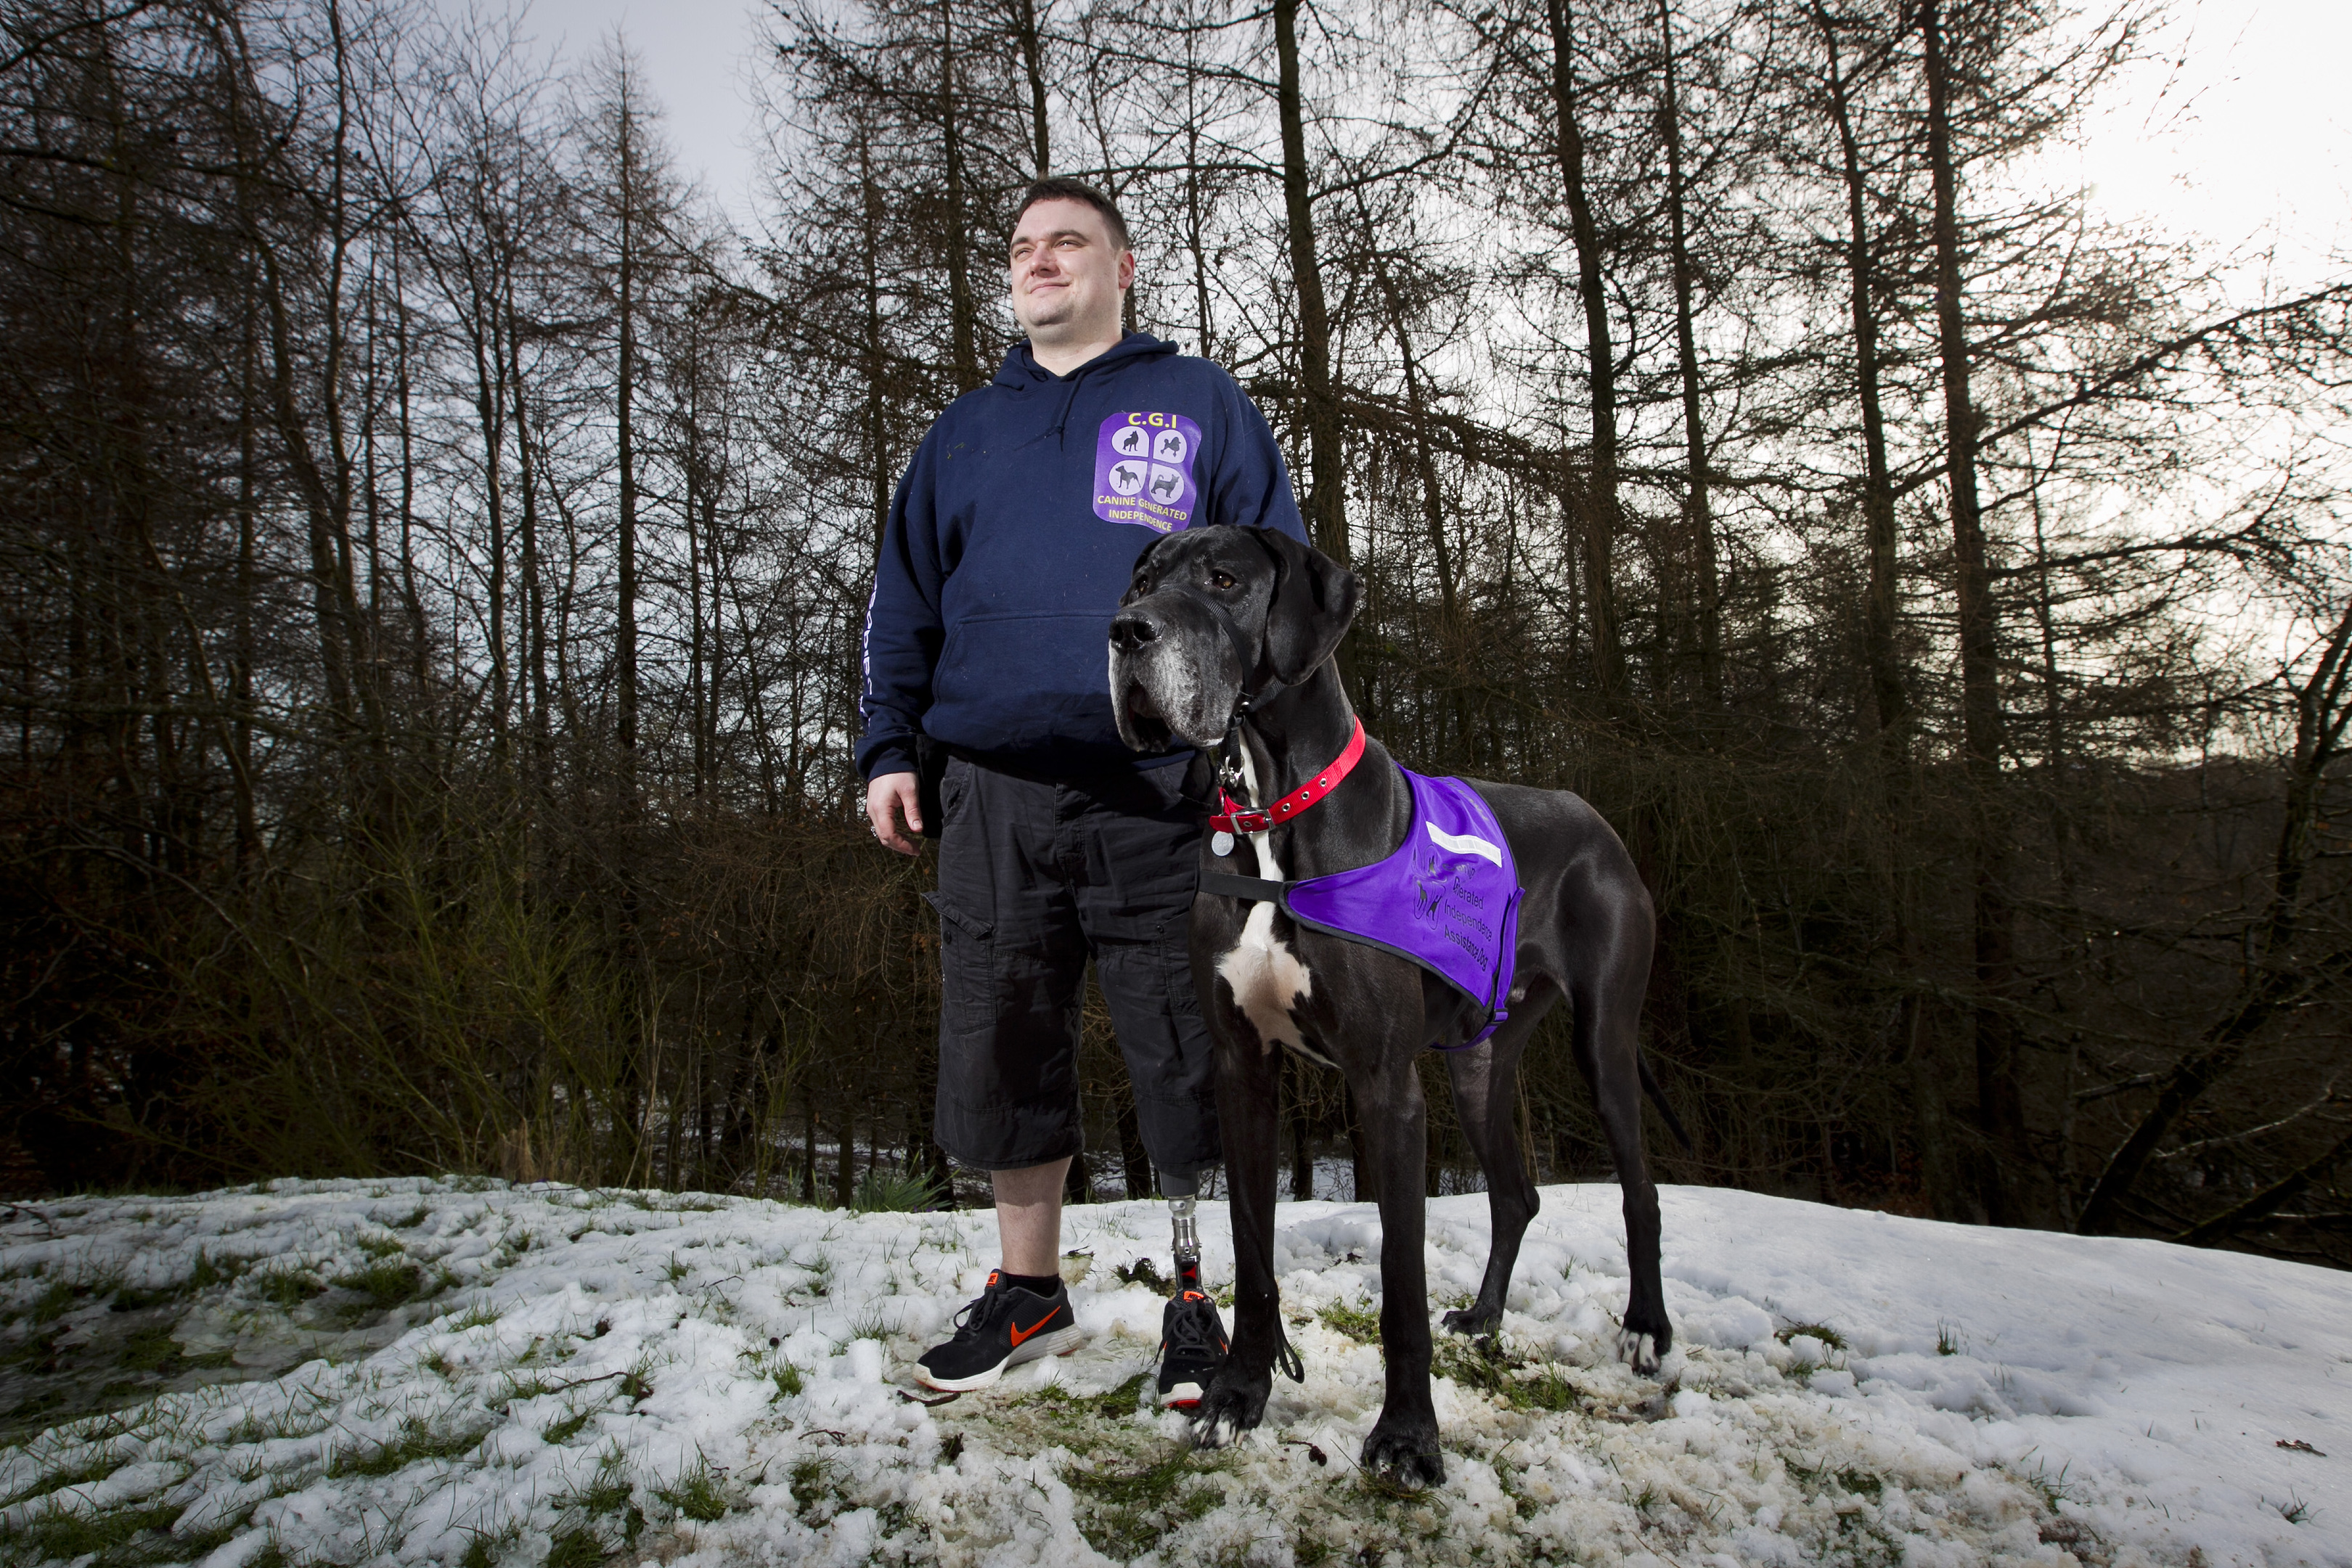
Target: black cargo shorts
[(1035, 877)]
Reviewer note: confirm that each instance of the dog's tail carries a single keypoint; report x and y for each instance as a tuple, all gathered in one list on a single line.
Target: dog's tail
[(1651, 1086)]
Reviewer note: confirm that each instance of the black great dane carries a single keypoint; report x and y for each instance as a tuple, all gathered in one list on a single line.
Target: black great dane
[(1232, 629)]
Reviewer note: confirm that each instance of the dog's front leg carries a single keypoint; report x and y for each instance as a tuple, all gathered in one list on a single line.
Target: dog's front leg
[(1401, 1444), (1235, 1400)]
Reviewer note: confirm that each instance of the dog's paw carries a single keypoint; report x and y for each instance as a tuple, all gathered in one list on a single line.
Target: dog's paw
[(1404, 1453), (1639, 1350), (1234, 1404), (1474, 1321)]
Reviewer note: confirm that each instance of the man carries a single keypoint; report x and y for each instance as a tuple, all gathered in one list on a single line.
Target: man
[(1011, 537)]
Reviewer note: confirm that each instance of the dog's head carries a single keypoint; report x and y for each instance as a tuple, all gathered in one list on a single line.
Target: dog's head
[(1213, 613)]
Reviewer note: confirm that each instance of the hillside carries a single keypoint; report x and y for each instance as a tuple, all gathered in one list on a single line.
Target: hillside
[(465, 1372)]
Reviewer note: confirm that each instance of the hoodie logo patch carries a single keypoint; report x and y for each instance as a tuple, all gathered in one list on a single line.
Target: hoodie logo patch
[(1143, 470)]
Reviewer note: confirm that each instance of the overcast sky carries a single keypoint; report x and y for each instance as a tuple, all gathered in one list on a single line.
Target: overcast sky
[(2239, 137)]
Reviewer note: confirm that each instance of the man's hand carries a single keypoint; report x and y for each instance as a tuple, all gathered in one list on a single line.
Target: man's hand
[(887, 798)]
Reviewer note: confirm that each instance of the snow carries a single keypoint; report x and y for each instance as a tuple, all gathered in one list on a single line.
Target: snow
[(714, 1381)]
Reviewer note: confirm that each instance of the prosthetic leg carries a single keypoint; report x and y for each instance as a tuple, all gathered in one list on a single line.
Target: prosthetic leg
[(1188, 1242), (1192, 1334)]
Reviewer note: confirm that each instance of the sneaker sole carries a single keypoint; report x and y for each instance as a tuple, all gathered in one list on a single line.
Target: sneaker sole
[(1183, 1396), (1037, 1347)]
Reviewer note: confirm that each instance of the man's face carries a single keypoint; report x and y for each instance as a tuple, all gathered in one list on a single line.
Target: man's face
[(1067, 272)]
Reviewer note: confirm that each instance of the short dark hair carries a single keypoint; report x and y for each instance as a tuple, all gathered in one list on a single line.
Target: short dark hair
[(1060, 190)]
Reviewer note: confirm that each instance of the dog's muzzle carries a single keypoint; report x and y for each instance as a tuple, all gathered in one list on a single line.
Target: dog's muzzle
[(1173, 673)]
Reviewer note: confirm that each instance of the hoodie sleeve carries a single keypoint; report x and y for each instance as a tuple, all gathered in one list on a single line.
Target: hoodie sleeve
[(903, 628), (1251, 487)]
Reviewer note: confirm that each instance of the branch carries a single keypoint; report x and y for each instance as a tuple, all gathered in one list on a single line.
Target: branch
[(2262, 1205)]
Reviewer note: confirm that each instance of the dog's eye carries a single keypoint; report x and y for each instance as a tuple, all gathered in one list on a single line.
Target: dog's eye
[(1221, 580)]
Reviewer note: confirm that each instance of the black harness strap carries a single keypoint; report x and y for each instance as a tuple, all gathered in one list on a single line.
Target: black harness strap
[(1230, 885)]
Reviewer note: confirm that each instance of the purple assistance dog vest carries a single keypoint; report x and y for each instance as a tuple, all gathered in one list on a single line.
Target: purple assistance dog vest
[(1448, 898)]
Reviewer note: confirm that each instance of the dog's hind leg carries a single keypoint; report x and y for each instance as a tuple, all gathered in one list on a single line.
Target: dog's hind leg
[(1608, 1001), (1247, 1095), (1403, 1443), (1487, 1100)]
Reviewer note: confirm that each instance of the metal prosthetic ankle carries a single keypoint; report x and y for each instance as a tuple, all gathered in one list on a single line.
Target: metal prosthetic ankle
[(1187, 1230)]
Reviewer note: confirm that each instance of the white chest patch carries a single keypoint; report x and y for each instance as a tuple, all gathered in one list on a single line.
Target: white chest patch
[(1267, 978)]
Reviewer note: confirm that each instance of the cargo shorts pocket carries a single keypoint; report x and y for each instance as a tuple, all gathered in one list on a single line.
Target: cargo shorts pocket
[(967, 967)]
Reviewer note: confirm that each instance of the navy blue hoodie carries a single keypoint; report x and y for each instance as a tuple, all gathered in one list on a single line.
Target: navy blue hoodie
[(1015, 530)]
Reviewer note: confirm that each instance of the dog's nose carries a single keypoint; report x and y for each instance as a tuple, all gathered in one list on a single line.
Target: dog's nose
[(1131, 630)]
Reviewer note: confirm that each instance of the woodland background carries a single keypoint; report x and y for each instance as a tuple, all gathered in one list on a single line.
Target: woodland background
[(435, 546)]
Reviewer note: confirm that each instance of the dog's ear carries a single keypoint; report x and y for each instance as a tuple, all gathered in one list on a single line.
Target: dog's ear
[(1315, 598), (1136, 572)]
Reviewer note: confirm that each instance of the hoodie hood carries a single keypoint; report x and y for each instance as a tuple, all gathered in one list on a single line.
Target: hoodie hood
[(1021, 372)]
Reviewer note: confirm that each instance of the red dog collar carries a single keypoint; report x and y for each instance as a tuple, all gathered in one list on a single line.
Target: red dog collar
[(1232, 818)]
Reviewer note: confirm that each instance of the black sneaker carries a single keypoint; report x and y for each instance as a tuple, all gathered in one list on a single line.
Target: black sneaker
[(1005, 1327), (1191, 1343)]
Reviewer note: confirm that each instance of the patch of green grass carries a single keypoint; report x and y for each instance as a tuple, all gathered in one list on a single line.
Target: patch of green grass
[(1862, 1483), (477, 1316), (482, 1551), (1822, 1331), (387, 1283), (1149, 1487), (127, 1299), (1487, 1365), (1124, 1399), (413, 1218), (892, 1190), (2053, 1490), (568, 1427), (95, 1465), (287, 1288), (54, 1302), (1146, 1273), (1124, 1513), (208, 1271), (1850, 1480), (120, 1538), (528, 1385), (36, 1354), (696, 1495), (574, 1548), (417, 1442), (1361, 1323), (607, 1497), (382, 1245), (609, 1493)]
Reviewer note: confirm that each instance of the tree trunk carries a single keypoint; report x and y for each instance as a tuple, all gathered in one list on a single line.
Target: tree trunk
[(963, 319), (1326, 505), (1032, 64), (1598, 529), (1698, 518), (1890, 703), (2001, 1109), (625, 651)]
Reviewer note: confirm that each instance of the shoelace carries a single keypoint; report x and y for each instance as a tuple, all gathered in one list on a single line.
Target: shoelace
[(971, 1317), (1191, 1330)]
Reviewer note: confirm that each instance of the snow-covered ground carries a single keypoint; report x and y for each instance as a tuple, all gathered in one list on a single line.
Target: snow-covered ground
[(463, 1373)]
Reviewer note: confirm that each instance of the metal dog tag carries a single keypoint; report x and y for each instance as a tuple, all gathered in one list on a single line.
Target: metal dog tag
[(1221, 843)]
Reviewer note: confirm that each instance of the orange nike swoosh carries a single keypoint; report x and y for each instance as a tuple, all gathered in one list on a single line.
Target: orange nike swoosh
[(1020, 1333)]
